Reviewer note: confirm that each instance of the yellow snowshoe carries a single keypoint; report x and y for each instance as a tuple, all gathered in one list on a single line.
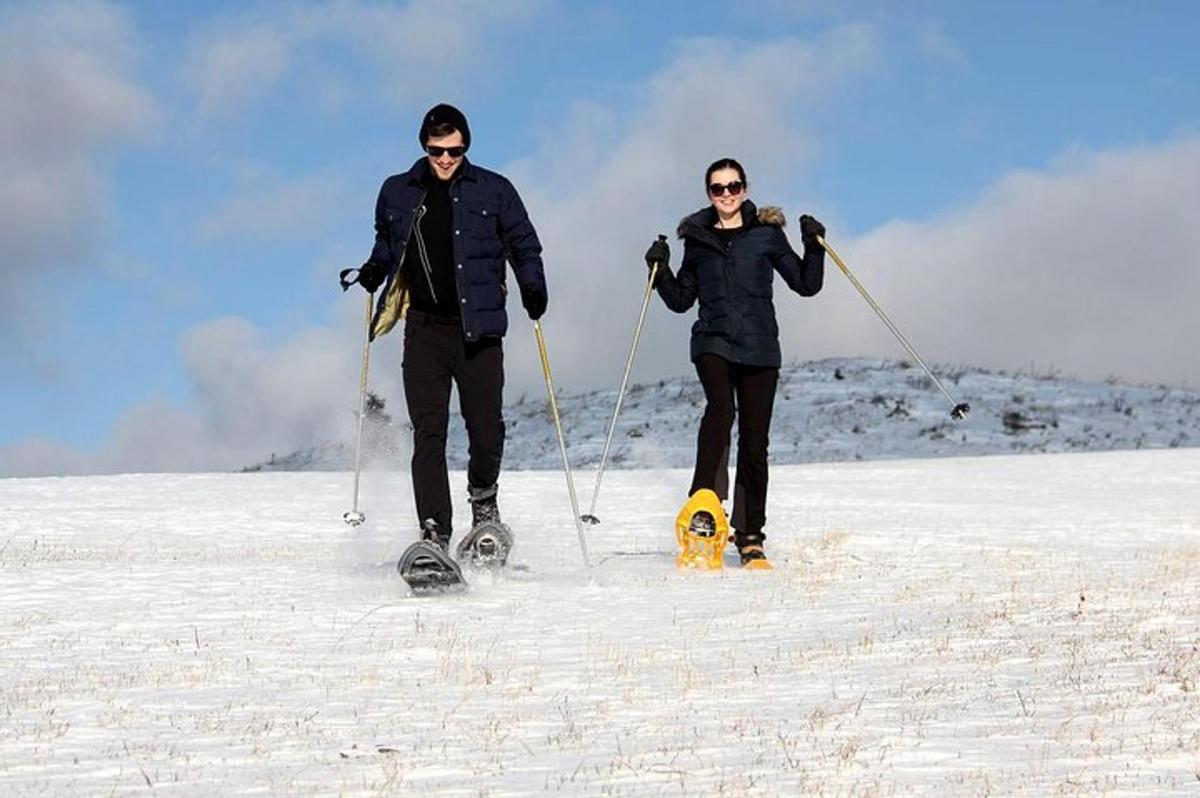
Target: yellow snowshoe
[(701, 530)]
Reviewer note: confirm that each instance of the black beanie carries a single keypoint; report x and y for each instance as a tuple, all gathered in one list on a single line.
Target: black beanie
[(444, 114)]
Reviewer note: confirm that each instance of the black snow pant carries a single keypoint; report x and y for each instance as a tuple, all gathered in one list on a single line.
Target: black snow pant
[(749, 393), (435, 354)]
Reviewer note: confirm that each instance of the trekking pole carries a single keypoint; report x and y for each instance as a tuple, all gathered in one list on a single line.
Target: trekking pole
[(354, 517), (590, 516), (960, 408), (562, 443)]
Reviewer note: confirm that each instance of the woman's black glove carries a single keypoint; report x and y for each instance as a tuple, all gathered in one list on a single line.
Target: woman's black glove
[(371, 275), (658, 253), (810, 228)]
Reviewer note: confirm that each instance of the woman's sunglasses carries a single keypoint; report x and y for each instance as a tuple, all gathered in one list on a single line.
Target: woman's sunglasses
[(734, 188), (438, 152)]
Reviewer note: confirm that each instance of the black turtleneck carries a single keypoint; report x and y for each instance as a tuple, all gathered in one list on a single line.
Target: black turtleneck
[(429, 257)]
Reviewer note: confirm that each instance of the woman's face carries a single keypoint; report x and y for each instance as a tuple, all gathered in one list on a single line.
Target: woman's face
[(726, 191)]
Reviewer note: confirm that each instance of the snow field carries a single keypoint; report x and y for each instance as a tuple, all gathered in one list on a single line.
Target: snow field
[(1004, 625)]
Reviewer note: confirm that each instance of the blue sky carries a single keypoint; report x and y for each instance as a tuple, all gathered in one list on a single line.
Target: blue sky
[(185, 181)]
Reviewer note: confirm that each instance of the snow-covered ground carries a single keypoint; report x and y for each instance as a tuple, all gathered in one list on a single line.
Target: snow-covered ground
[(1004, 625)]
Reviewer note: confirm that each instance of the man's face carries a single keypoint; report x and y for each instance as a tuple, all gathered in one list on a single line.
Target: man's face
[(439, 150)]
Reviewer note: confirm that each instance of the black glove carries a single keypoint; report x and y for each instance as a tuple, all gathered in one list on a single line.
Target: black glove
[(534, 301), (658, 253), (371, 275), (810, 228)]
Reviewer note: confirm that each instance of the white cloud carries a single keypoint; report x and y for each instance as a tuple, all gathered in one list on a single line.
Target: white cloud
[(241, 60), (266, 205), (252, 397), (1090, 267), (232, 68), (936, 44), (68, 96)]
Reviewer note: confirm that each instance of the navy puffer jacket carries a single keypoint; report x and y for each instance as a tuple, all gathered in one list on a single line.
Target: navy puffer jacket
[(490, 227), (734, 283)]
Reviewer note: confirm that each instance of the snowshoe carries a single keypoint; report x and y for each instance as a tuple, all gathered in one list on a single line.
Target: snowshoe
[(486, 546), (427, 568), (701, 530), (754, 558)]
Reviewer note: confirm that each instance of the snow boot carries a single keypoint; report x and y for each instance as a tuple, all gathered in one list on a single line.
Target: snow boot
[(484, 508), (489, 541), (750, 549), (701, 530)]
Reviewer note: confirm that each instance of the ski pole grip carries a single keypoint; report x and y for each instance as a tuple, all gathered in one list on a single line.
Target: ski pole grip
[(347, 283), (658, 264), (663, 239)]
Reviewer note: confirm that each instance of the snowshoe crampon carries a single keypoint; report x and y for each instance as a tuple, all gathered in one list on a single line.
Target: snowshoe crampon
[(428, 569), (701, 530), (486, 546)]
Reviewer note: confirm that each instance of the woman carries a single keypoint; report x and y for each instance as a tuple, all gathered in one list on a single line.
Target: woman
[(730, 253)]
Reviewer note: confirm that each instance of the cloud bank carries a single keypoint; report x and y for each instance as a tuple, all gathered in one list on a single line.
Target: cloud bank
[(1090, 267), (69, 97), (244, 58)]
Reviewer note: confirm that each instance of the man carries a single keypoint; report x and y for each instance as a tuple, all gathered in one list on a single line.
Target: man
[(443, 232)]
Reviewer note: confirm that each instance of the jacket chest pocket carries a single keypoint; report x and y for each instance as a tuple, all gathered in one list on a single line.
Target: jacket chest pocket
[(398, 221), (483, 220)]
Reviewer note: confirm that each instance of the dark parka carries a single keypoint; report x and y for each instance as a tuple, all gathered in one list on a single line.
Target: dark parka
[(734, 283), (490, 227)]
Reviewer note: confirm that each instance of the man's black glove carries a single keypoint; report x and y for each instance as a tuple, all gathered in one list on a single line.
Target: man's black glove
[(810, 228), (534, 301), (658, 253), (371, 275)]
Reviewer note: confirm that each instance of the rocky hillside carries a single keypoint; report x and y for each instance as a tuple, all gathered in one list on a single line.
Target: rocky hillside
[(828, 410)]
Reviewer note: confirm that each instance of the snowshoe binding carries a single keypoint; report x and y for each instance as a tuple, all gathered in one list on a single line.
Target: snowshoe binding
[(427, 567), (701, 530), (486, 546), (489, 541)]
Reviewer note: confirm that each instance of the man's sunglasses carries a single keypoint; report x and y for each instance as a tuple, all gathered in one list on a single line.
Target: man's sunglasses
[(438, 152), (734, 188)]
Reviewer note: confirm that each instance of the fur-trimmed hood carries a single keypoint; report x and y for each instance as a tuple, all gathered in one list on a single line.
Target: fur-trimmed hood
[(706, 218)]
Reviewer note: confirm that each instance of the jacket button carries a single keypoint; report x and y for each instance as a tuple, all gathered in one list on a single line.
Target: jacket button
[(455, 232), (485, 213), (463, 300), (460, 265)]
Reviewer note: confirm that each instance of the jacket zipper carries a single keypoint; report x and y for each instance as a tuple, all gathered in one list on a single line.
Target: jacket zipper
[(422, 252)]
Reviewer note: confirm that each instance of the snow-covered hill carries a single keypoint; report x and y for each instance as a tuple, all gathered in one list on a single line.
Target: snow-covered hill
[(827, 411), (958, 626)]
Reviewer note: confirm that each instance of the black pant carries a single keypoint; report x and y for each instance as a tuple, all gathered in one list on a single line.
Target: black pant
[(749, 393), (434, 354)]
